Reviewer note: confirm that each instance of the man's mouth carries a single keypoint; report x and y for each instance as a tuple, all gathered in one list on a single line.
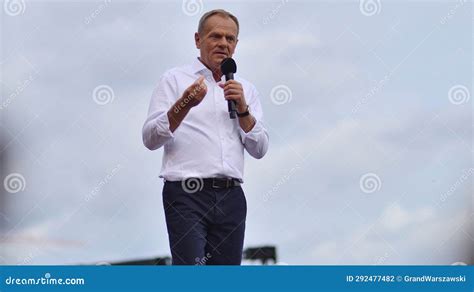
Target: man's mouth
[(221, 53)]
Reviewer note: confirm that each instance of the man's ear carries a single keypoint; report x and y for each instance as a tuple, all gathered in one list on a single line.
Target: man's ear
[(197, 40)]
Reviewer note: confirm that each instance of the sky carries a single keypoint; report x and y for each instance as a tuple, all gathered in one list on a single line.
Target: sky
[(367, 104)]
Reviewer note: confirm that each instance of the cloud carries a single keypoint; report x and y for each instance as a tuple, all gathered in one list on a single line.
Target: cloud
[(399, 232), (395, 218)]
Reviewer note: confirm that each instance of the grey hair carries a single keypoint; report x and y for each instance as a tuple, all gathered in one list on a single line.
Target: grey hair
[(221, 12)]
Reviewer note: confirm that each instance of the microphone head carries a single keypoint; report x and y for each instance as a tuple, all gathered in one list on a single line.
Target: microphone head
[(228, 66)]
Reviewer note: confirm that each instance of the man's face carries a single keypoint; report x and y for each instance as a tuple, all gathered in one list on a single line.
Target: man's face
[(217, 41)]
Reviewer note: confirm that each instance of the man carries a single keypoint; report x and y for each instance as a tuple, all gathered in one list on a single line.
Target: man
[(203, 160)]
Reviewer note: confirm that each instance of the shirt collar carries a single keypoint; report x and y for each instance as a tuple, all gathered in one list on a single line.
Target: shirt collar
[(198, 66)]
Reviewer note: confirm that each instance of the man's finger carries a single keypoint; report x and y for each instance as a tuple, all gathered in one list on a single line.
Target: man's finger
[(232, 91), (232, 86), (199, 80), (232, 97), (200, 84)]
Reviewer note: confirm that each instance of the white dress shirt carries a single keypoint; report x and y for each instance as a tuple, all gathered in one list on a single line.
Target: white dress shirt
[(207, 143)]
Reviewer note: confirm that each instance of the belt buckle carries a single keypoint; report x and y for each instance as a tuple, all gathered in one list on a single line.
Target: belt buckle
[(228, 183), (214, 186)]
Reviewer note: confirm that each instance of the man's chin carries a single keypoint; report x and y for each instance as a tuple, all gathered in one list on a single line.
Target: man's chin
[(216, 62), (218, 58)]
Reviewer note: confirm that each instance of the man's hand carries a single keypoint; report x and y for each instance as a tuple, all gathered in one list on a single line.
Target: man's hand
[(233, 91), (194, 94)]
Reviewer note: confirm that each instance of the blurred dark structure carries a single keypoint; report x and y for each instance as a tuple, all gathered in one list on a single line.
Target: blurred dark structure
[(263, 254), (160, 261), (164, 261)]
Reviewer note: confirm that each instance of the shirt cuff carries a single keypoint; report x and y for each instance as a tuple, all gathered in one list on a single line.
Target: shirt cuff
[(253, 134), (163, 126)]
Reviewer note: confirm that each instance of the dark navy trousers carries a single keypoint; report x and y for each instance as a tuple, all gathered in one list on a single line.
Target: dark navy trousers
[(205, 227)]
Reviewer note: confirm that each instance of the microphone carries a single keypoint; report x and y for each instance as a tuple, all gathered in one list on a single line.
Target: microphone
[(228, 68)]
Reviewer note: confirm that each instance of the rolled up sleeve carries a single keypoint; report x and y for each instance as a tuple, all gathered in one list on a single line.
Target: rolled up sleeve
[(256, 140), (156, 130)]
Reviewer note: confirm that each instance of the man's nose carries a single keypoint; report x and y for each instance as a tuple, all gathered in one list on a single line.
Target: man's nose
[(223, 43)]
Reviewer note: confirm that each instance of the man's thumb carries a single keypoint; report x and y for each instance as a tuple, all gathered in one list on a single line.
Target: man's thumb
[(200, 80)]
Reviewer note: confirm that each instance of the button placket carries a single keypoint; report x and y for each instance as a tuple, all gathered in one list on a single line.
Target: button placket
[(218, 120)]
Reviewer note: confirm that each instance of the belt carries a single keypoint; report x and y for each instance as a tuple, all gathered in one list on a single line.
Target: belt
[(221, 183), (210, 183)]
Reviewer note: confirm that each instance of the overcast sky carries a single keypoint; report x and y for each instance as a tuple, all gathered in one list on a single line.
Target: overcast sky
[(368, 107)]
